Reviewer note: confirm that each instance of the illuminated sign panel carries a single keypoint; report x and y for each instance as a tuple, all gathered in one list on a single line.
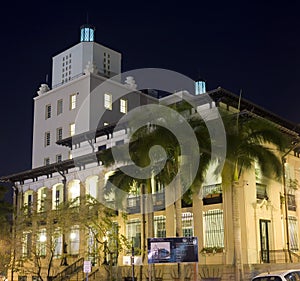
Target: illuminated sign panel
[(172, 250)]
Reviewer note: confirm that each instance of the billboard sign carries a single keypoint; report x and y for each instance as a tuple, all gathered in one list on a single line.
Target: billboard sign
[(172, 250)]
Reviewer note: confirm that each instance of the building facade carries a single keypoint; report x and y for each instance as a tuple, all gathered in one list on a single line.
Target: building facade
[(58, 219)]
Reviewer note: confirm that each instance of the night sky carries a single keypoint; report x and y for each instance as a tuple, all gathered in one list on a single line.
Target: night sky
[(248, 45)]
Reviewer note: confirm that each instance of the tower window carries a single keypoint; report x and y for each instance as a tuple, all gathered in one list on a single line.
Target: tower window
[(48, 111), (47, 139), (72, 129), (58, 134), (108, 101), (73, 99), (59, 106), (123, 105)]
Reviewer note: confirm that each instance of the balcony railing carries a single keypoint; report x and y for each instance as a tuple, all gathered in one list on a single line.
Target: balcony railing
[(212, 194), (134, 202)]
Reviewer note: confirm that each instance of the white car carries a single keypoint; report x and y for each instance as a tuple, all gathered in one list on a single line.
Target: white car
[(283, 275)]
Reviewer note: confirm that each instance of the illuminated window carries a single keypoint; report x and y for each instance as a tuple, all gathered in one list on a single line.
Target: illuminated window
[(59, 134), (92, 186), (293, 233), (133, 232), (92, 247), (28, 202), (187, 224), (74, 192), (41, 243), (74, 240), (42, 196), (72, 129), (48, 111), (47, 139), (57, 241), (57, 195), (159, 226), (123, 105), (26, 244), (73, 98), (213, 228), (70, 155), (59, 106), (108, 101)]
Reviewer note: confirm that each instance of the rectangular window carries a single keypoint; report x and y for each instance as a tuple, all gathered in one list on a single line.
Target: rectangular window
[(57, 196), (213, 228), (47, 139), (59, 106), (108, 101), (26, 244), (59, 134), (293, 228), (72, 129), (261, 191), (73, 99), (159, 226), (57, 243), (48, 111), (133, 231), (123, 105), (41, 243), (187, 224), (74, 240), (42, 196), (46, 161), (58, 158)]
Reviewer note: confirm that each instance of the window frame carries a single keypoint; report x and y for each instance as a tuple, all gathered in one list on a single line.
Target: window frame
[(107, 102), (47, 139), (123, 106), (48, 111), (73, 101), (59, 107)]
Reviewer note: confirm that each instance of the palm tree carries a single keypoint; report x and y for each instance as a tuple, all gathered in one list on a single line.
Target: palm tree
[(249, 139)]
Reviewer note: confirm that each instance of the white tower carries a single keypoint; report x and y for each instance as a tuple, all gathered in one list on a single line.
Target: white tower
[(75, 73)]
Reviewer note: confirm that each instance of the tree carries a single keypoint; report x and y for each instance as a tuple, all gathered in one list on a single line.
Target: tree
[(6, 227), (249, 139), (151, 135)]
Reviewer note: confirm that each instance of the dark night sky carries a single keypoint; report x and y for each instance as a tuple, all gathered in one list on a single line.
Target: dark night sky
[(248, 45)]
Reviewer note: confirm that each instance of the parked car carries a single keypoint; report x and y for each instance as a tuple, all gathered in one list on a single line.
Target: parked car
[(283, 275)]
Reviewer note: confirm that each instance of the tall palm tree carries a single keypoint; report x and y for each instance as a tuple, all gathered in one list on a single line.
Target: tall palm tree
[(249, 139)]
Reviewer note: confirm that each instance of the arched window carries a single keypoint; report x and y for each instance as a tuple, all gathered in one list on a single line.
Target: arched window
[(28, 202), (92, 187), (41, 199), (57, 195), (74, 192)]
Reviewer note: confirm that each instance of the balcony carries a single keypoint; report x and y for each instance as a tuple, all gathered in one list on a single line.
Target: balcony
[(158, 201), (133, 204), (212, 194)]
